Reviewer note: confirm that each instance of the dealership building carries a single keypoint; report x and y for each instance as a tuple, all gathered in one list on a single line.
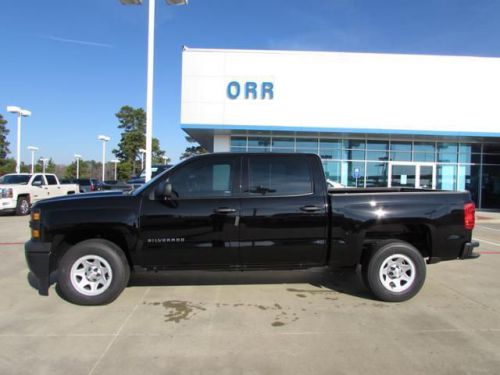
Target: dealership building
[(374, 119)]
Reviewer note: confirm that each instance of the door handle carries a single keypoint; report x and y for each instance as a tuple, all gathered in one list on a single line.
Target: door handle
[(225, 210), (310, 208)]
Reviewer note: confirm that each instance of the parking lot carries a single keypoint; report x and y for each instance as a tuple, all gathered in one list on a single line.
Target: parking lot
[(301, 322)]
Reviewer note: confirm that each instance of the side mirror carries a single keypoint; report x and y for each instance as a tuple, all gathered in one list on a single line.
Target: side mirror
[(167, 191), (36, 183)]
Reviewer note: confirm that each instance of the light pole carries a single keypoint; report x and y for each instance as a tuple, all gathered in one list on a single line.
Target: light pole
[(44, 163), (78, 157), (115, 162), (33, 149), (20, 113), (142, 152), (165, 158), (150, 72), (104, 139)]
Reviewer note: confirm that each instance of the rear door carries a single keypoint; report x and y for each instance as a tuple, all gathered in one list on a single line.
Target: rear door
[(283, 216), (54, 188)]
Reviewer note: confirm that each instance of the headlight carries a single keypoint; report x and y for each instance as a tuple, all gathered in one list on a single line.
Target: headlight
[(6, 193)]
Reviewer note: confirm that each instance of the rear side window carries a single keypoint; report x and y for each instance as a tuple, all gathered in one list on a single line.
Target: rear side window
[(279, 176), (51, 180), (203, 178)]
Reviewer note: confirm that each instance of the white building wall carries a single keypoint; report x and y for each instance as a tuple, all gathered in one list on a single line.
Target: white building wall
[(222, 143), (354, 91)]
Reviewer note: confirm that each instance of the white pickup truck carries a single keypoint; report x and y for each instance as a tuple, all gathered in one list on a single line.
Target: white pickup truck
[(19, 191)]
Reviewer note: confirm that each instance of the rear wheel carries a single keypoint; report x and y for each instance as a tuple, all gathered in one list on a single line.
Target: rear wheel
[(93, 272), (23, 206), (396, 272)]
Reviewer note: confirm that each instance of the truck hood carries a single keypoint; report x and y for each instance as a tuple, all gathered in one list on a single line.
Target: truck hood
[(11, 186), (77, 198)]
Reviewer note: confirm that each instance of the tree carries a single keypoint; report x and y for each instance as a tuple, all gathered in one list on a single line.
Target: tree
[(5, 164), (70, 171), (192, 150), (133, 123)]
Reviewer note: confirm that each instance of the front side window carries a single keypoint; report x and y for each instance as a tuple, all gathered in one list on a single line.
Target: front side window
[(203, 178), (279, 176), (38, 180)]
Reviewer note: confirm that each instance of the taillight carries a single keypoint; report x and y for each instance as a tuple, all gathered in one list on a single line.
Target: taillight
[(469, 216)]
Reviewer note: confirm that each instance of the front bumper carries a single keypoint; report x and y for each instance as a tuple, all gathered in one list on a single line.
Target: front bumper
[(38, 257), (7, 204), (468, 251)]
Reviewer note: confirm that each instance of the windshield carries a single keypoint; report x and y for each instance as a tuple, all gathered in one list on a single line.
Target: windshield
[(15, 179)]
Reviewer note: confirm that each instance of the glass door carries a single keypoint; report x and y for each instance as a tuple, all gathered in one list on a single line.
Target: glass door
[(412, 175)]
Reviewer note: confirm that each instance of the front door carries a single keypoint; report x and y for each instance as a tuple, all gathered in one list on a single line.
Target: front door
[(283, 212), (40, 189), (412, 175), (198, 225)]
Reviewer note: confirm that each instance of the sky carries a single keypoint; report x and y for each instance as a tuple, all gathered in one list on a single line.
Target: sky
[(75, 63)]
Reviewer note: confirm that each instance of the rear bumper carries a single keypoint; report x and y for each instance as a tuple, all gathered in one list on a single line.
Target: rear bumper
[(38, 258), (468, 250)]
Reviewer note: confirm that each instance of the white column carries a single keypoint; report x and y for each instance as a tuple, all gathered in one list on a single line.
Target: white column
[(149, 96), (103, 160), (77, 168), (18, 164), (32, 161)]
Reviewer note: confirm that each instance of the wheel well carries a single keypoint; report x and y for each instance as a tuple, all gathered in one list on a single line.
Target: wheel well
[(76, 237), (24, 196), (418, 236)]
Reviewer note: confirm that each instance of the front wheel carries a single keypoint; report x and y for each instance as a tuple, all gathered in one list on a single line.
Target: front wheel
[(396, 272), (93, 272), (23, 206)]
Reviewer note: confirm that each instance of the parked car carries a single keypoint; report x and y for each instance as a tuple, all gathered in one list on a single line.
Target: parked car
[(115, 185), (87, 185), (139, 180), (246, 211), (19, 191)]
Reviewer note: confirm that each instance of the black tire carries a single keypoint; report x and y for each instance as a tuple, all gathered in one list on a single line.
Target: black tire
[(382, 285), (101, 249), (23, 206)]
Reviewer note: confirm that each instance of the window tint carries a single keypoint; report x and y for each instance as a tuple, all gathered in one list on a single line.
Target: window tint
[(38, 178), (51, 180), (203, 178), (279, 176)]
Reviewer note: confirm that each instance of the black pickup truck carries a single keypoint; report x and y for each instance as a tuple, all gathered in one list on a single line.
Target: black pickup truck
[(246, 211)]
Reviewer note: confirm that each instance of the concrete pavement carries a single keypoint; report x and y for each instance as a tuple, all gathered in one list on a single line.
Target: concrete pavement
[(301, 322)]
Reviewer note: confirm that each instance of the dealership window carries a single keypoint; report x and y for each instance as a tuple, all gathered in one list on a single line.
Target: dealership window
[(376, 174), (352, 166), (280, 144), (401, 151), (306, 145), (447, 152), (238, 144), (424, 151), (490, 193), (333, 170), (259, 144), (446, 177), (330, 148)]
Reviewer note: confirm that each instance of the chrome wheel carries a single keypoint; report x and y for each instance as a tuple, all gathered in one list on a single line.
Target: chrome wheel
[(25, 207), (91, 275), (397, 273)]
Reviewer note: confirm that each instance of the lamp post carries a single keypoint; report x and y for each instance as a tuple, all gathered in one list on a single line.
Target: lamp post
[(78, 157), (142, 152), (115, 162), (44, 163), (165, 158), (150, 71), (33, 149), (20, 113), (104, 139)]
